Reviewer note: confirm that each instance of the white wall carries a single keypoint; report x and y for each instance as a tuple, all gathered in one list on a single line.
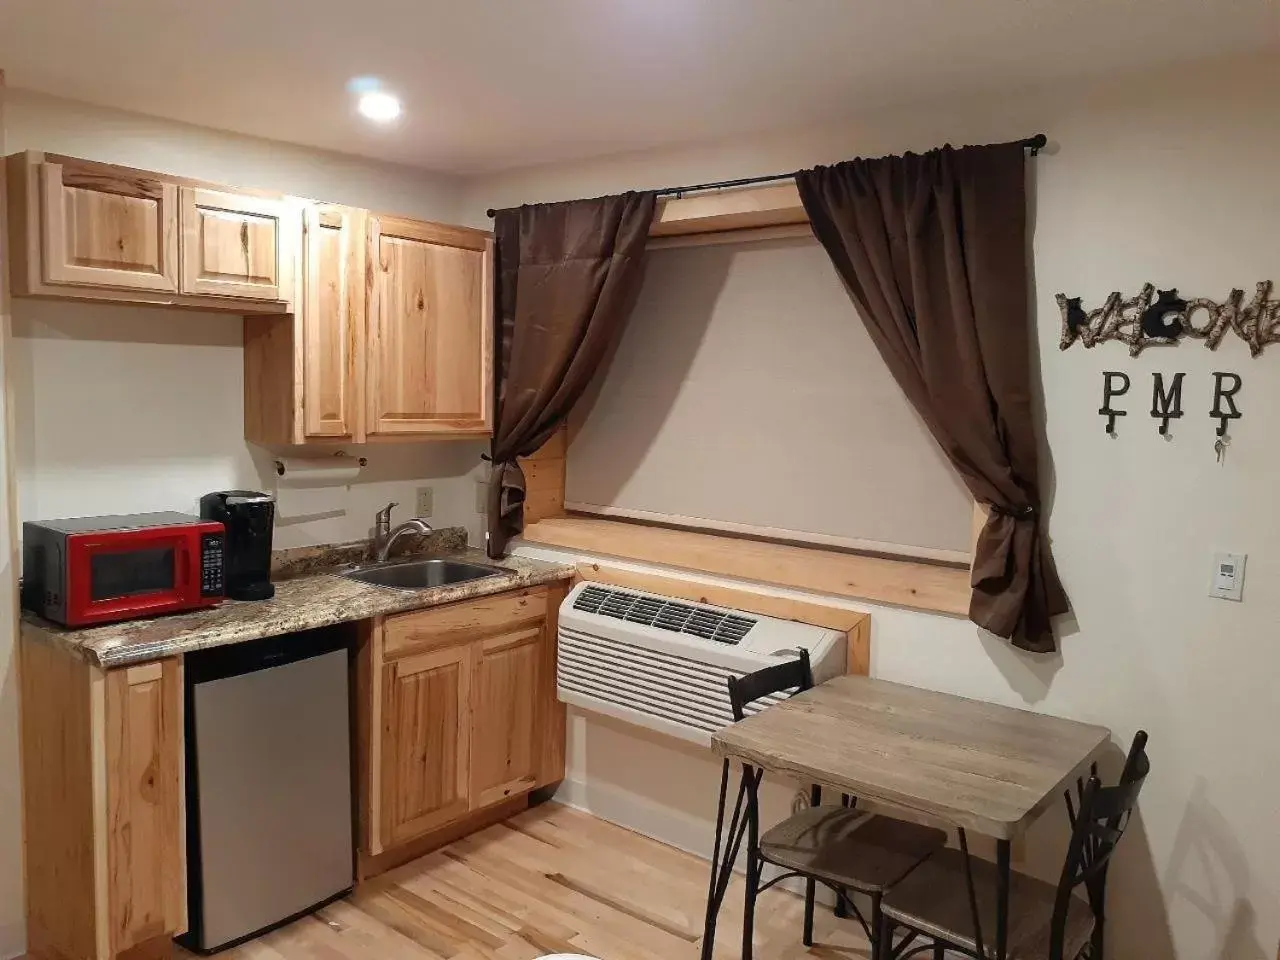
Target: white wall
[(1168, 178), (123, 409)]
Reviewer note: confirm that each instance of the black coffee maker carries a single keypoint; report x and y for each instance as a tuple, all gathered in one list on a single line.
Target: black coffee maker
[(249, 517)]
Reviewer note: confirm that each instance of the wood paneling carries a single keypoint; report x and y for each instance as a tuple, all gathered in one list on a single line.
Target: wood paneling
[(920, 586), (769, 205), (856, 625), (333, 323), (146, 873), (430, 329), (507, 735), (426, 719), (107, 227), (553, 713), (59, 805), (544, 479), (235, 245), (462, 622)]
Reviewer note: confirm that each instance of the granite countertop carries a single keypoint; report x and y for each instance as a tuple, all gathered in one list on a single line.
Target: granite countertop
[(313, 597)]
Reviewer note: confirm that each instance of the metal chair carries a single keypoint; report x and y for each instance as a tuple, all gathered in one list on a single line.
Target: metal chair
[(840, 847), (1046, 922)]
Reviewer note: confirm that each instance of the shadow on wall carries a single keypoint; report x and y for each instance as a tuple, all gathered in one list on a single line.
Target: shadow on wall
[(1206, 846), (1137, 915)]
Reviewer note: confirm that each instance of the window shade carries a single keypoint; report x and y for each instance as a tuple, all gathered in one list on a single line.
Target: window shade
[(746, 395)]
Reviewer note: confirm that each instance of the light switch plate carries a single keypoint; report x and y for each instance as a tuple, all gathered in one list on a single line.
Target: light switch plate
[(1228, 576), (424, 502)]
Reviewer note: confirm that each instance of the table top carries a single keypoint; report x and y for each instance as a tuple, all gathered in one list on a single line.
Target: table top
[(976, 765)]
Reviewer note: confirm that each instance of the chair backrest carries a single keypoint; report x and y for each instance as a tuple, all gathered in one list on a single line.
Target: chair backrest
[(774, 679), (1104, 814)]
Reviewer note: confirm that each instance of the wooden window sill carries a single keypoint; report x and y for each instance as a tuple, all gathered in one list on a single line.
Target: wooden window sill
[(904, 583)]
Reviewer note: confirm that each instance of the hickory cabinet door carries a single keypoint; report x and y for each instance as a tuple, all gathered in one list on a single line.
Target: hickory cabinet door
[(426, 716), (430, 329), (506, 735), (104, 226), (235, 246), (333, 321)]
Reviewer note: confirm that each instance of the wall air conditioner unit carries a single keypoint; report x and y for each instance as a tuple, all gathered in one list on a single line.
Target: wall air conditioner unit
[(664, 663)]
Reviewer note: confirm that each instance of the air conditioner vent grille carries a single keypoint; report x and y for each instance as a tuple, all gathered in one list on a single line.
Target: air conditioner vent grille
[(696, 620)]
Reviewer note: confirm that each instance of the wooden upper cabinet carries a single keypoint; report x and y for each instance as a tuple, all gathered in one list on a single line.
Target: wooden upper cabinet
[(430, 329), (106, 226), (333, 312), (234, 246), (303, 373), (84, 230)]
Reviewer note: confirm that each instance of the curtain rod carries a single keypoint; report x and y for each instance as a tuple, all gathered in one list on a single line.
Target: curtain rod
[(1034, 144)]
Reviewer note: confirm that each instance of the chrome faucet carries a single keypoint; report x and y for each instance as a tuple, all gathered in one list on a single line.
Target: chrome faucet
[(384, 537)]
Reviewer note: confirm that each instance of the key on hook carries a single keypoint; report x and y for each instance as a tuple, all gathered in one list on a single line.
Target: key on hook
[(1220, 447)]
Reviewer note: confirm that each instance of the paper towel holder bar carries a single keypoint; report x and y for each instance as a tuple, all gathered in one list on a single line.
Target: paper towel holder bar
[(360, 461)]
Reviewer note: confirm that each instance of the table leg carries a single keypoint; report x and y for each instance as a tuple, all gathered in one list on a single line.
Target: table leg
[(713, 905), (753, 864), (973, 895), (1003, 871), (725, 851)]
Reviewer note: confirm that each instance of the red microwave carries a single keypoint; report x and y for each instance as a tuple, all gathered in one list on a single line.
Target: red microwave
[(99, 569)]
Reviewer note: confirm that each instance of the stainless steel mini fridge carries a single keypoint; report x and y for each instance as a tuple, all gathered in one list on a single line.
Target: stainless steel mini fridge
[(269, 784)]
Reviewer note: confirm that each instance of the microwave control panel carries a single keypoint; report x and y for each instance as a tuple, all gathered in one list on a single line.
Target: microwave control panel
[(212, 578)]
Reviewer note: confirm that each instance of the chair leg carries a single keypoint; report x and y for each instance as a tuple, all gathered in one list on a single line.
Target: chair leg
[(810, 889), (939, 951), (1096, 940)]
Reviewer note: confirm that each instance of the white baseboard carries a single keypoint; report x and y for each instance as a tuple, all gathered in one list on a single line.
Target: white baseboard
[(672, 826), (669, 825), (13, 941)]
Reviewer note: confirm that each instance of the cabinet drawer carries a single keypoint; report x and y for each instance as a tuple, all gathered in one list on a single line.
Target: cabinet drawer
[(459, 622)]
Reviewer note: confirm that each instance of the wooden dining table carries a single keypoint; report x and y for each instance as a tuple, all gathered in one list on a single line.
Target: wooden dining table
[(973, 765)]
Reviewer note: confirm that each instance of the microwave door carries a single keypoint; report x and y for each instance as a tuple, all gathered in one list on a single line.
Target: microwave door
[(129, 573)]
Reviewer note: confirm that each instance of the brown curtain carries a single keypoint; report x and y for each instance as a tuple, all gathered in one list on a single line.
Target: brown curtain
[(567, 277), (933, 250)]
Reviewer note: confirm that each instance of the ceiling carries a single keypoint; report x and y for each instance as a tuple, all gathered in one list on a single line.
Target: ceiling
[(492, 84)]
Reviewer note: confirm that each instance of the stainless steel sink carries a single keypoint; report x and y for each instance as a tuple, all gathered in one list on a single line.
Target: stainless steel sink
[(417, 574)]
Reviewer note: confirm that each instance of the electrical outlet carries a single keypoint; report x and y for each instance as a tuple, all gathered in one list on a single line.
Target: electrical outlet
[(423, 508), (482, 496)]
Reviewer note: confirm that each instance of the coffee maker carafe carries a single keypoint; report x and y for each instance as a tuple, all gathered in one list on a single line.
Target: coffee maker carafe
[(248, 517)]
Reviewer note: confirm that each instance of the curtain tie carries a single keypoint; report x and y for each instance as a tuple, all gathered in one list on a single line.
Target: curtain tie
[(1025, 512)]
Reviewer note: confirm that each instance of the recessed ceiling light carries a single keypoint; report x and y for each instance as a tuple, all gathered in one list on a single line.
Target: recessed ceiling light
[(379, 106)]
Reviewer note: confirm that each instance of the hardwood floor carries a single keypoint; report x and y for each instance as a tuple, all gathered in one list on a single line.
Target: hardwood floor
[(550, 880)]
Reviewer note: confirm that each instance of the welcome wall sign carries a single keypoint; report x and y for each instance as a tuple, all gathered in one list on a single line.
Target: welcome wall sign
[(1147, 319)]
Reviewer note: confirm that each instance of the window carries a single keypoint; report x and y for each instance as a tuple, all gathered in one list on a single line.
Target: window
[(746, 396)]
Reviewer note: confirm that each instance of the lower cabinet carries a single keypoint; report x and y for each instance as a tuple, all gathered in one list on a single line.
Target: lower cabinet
[(462, 713), (103, 795)]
